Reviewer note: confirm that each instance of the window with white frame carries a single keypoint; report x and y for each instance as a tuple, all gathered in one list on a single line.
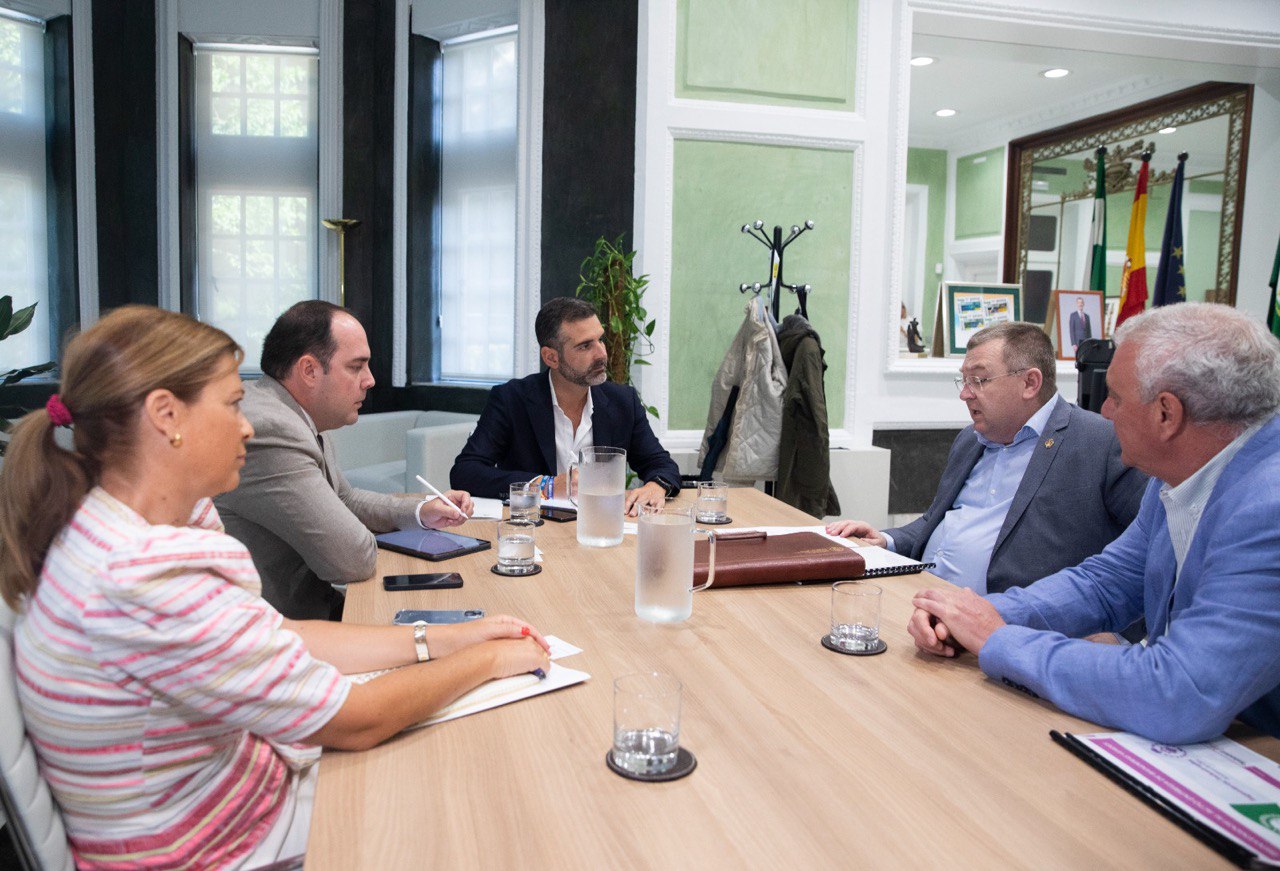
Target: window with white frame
[(23, 226), (257, 180), (478, 208)]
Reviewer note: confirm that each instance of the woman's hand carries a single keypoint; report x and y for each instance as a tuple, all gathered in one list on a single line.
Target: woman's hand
[(443, 640), (516, 656)]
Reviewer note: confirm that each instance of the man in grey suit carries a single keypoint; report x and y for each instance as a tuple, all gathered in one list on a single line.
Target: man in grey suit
[(1033, 486), (304, 525)]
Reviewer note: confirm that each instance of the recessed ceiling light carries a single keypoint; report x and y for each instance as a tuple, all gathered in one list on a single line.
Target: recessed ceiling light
[(1168, 129), (921, 61), (1056, 73), (945, 113)]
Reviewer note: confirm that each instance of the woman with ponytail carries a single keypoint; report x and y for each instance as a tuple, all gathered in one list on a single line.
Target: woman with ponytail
[(176, 716)]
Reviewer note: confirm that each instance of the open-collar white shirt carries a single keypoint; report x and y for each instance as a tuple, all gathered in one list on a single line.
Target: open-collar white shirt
[(568, 440)]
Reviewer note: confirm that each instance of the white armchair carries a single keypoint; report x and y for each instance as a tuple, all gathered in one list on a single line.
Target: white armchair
[(431, 450), (34, 819)]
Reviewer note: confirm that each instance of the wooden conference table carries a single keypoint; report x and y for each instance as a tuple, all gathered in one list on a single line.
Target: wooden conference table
[(806, 759)]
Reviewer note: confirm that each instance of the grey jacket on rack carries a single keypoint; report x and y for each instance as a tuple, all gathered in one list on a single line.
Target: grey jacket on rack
[(754, 364)]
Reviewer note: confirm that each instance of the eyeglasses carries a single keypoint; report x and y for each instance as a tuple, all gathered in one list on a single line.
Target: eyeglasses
[(976, 382)]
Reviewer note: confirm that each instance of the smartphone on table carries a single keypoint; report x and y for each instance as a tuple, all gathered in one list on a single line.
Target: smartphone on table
[(559, 515), (408, 617), (430, 581)]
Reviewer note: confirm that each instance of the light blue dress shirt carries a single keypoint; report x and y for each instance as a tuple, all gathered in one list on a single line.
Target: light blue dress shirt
[(961, 544)]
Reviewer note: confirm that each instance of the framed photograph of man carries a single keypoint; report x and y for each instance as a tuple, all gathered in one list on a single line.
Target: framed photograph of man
[(966, 308), (1080, 316)]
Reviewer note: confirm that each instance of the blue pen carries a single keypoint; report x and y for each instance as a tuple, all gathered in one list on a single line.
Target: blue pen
[(542, 675)]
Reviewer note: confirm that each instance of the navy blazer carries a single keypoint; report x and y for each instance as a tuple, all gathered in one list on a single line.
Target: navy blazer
[(1074, 499), (515, 439)]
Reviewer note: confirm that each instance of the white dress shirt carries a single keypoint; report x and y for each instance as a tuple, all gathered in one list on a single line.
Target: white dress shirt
[(568, 440), (1184, 503)]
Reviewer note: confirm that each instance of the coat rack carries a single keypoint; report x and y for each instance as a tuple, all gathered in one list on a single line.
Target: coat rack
[(777, 245)]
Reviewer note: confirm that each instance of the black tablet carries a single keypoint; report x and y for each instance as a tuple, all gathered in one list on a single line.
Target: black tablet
[(430, 544)]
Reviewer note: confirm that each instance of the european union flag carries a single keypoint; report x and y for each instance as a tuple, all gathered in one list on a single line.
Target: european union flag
[(1171, 277)]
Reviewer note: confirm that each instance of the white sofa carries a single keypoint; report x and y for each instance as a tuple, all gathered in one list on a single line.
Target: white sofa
[(372, 452)]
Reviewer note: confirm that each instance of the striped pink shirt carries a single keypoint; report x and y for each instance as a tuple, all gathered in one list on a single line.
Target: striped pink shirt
[(160, 692)]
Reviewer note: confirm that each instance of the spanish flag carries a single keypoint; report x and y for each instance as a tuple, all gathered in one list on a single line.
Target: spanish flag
[(1133, 281)]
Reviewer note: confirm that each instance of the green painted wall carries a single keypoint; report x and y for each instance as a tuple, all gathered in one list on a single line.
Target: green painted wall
[(763, 51), (980, 193), (718, 187), (1200, 252), (928, 166)]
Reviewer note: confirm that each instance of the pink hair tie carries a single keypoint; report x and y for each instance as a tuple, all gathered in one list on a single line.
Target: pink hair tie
[(58, 411)]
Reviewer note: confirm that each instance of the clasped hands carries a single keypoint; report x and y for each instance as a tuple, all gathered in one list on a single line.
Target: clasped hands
[(949, 622)]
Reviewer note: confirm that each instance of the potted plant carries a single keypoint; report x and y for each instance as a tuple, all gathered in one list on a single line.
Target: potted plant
[(607, 281), (11, 323)]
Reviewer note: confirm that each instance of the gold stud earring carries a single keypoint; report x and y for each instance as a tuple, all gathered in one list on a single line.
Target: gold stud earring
[(176, 439)]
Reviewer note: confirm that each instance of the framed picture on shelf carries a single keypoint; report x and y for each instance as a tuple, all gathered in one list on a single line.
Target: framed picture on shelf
[(967, 308), (1080, 315)]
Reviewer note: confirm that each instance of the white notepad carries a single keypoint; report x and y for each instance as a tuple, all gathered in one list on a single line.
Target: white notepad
[(502, 691)]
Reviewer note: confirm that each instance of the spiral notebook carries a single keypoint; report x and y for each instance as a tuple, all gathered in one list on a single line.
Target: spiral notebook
[(882, 563)]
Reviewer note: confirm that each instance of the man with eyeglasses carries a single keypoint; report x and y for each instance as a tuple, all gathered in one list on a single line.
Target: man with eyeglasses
[(1034, 485), (1194, 392)]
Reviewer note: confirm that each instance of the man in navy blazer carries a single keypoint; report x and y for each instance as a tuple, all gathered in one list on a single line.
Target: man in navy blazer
[(1079, 326), (1035, 484), (1193, 390), (534, 427)]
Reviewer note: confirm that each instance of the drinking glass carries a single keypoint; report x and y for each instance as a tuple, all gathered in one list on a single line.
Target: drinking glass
[(516, 547), (713, 502), (855, 615), (646, 722), (525, 501)]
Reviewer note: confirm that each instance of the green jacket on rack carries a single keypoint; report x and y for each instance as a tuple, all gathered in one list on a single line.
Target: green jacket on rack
[(804, 459)]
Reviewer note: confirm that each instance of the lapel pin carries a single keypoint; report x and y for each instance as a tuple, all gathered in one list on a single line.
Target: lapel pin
[(1048, 443)]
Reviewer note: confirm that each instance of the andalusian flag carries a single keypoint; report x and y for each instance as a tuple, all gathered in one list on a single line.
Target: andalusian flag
[(1133, 282), (1171, 275), (1098, 233), (1273, 316)]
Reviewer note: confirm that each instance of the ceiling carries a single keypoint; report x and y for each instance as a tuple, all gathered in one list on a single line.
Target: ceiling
[(997, 87)]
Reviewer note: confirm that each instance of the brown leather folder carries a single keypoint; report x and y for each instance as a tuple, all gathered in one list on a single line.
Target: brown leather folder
[(756, 558)]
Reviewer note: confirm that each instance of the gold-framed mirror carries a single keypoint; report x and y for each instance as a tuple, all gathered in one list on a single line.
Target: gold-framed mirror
[(1051, 187)]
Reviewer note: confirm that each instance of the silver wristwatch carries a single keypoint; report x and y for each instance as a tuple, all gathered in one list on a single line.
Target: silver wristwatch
[(420, 640)]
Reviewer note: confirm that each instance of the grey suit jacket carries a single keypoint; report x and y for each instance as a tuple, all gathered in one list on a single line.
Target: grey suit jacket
[(1075, 497), (304, 525)]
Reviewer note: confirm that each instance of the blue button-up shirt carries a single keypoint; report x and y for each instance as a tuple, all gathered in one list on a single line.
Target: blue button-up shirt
[(962, 543)]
